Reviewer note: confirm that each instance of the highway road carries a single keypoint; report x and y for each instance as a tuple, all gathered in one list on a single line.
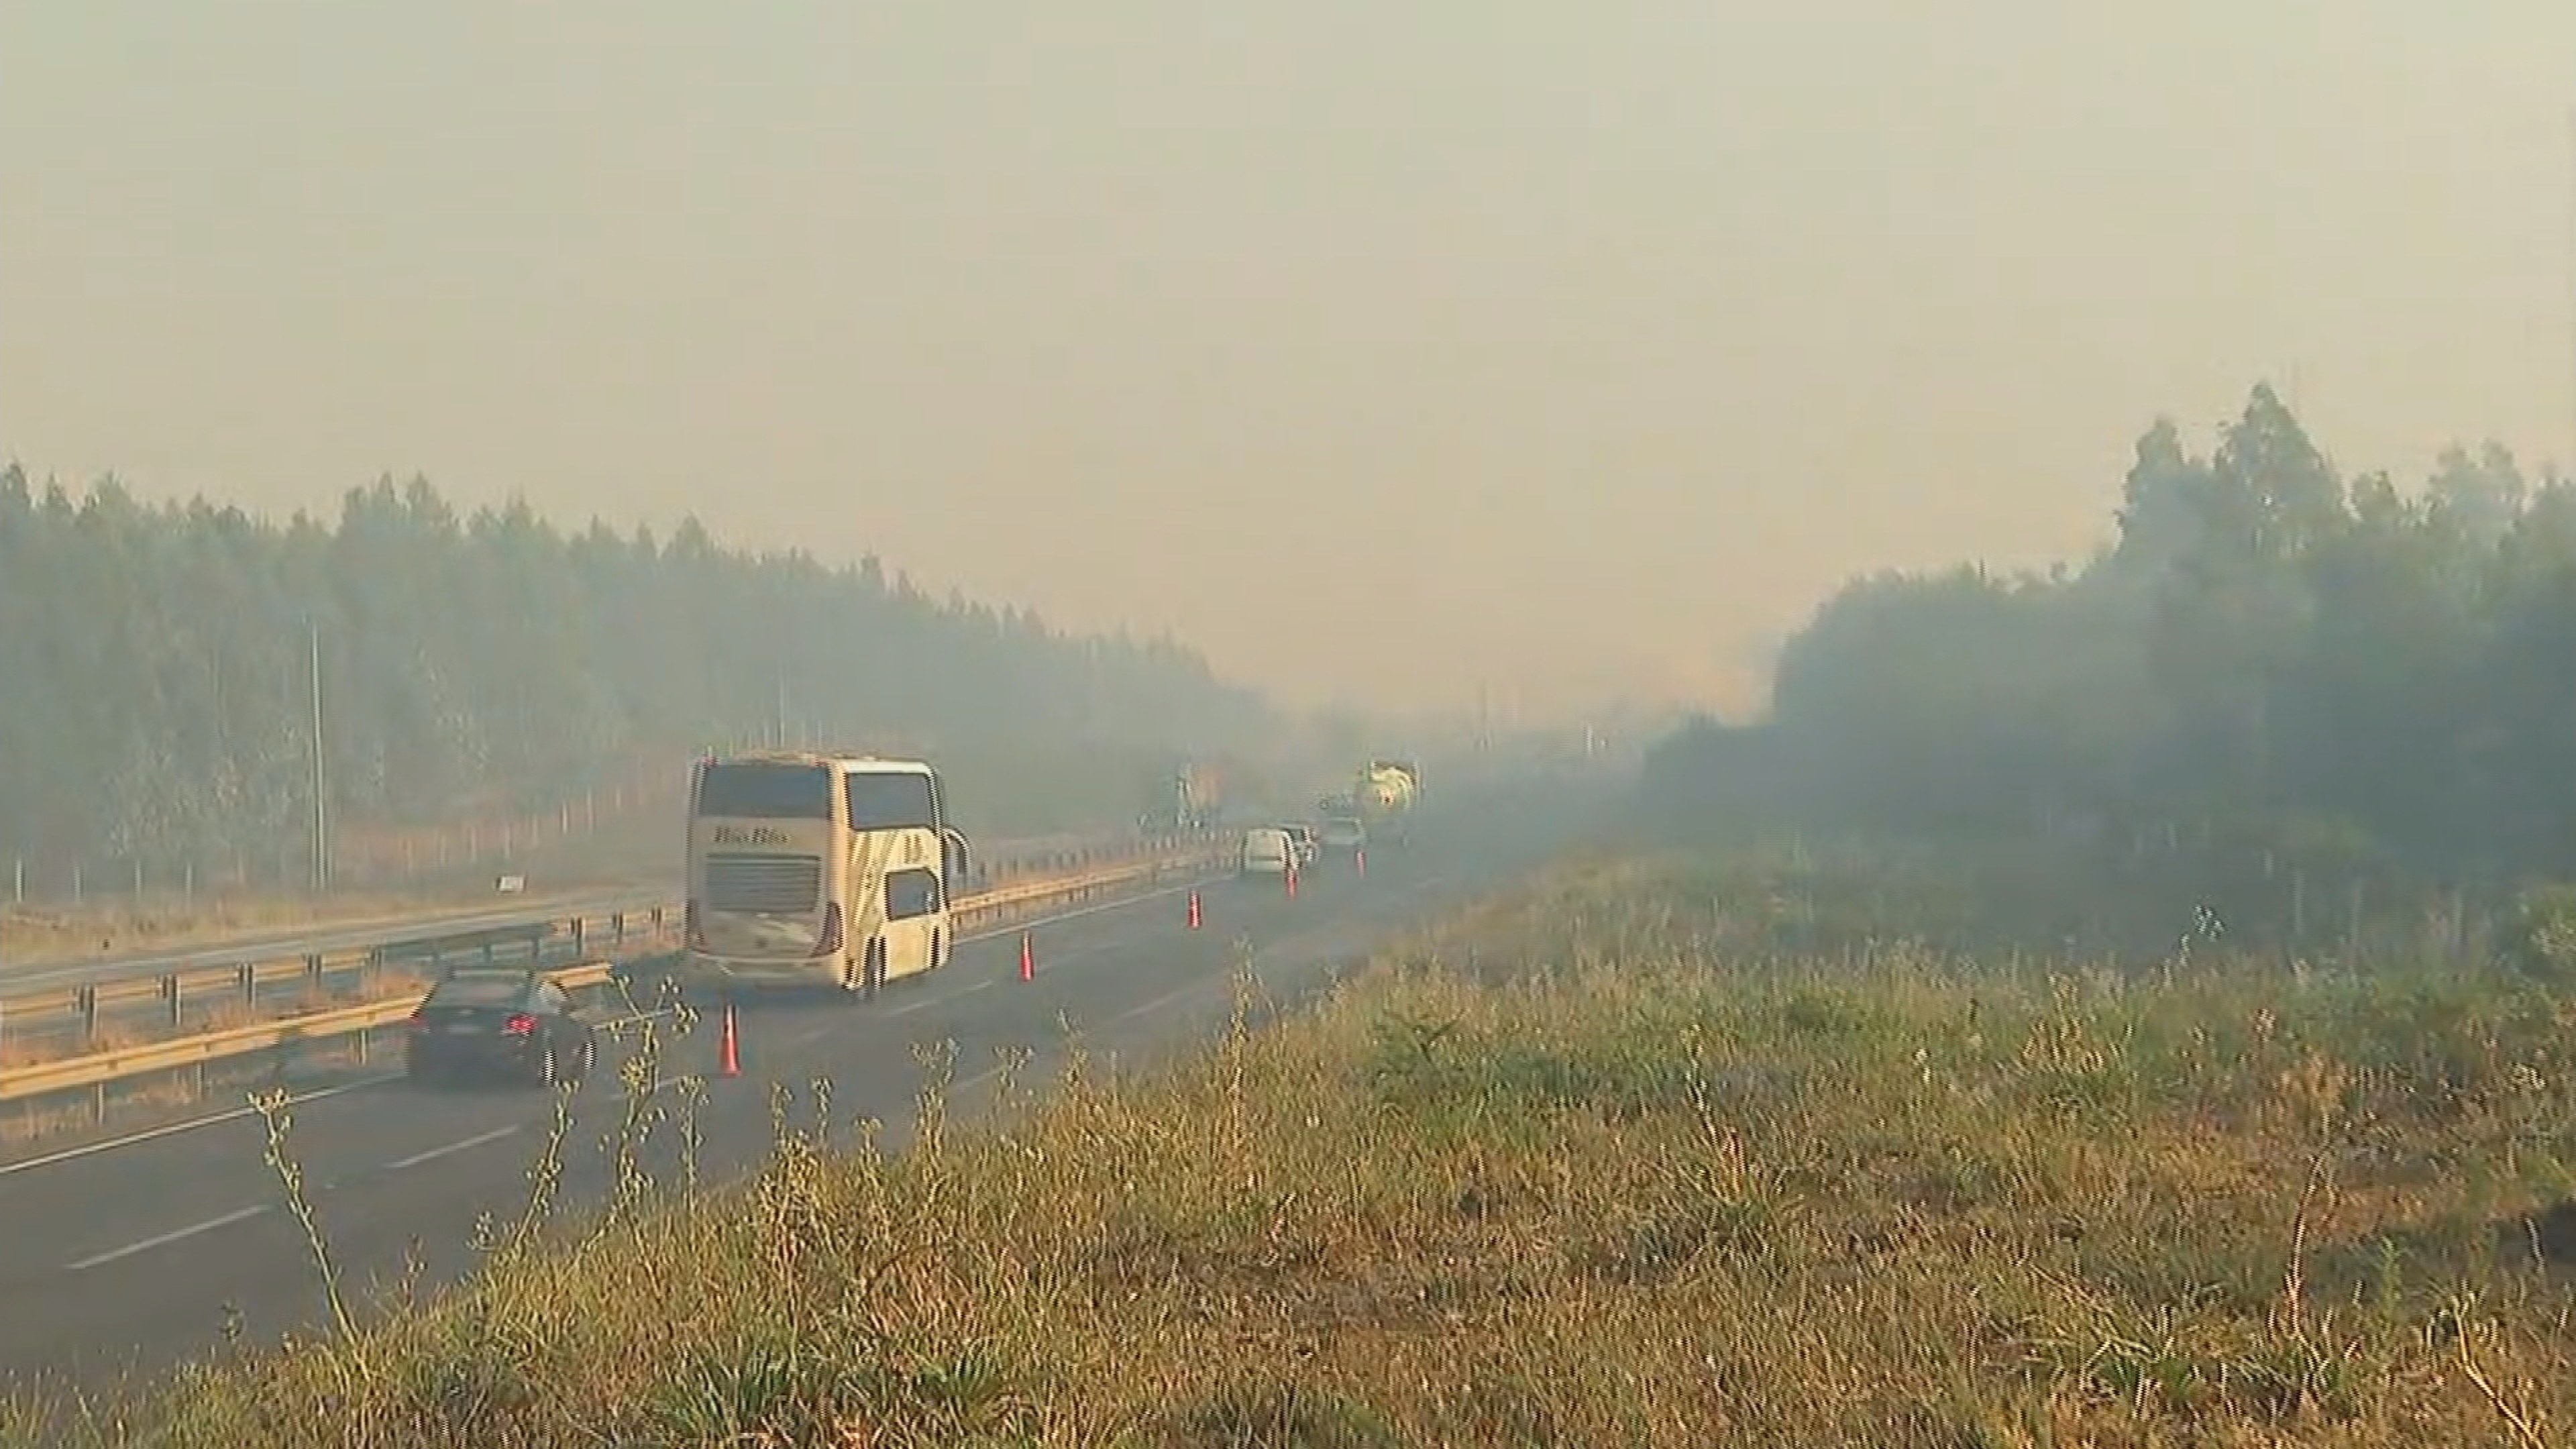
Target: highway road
[(65, 973), (126, 1256)]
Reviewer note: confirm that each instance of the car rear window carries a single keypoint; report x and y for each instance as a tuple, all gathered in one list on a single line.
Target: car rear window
[(479, 991)]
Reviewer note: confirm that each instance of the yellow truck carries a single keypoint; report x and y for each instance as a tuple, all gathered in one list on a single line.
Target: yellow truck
[(1385, 796)]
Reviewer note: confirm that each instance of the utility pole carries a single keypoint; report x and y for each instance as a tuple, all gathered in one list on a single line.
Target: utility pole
[(321, 835)]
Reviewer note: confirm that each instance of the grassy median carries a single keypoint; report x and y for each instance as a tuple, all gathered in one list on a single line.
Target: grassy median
[(64, 936), (1591, 1165)]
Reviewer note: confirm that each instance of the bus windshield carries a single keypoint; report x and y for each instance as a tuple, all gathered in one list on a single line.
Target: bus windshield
[(765, 791), (891, 800)]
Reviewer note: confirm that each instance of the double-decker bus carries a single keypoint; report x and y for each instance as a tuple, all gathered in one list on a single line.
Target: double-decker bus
[(819, 869)]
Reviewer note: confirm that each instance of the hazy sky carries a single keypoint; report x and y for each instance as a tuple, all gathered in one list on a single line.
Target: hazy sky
[(1379, 349)]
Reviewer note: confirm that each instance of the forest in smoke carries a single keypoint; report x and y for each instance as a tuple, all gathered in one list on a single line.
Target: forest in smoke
[(159, 677), (2269, 660)]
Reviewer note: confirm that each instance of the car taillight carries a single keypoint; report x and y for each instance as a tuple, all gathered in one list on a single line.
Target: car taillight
[(519, 1025), (830, 942)]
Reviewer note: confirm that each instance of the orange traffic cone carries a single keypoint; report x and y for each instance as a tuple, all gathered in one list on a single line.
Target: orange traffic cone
[(731, 1065), (1028, 959), (1194, 910)]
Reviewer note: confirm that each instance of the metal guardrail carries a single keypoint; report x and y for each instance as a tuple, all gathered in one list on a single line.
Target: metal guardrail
[(81, 1012), (1006, 859), (95, 1072)]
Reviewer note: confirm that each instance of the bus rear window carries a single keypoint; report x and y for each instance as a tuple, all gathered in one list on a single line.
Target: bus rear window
[(890, 801), (765, 792)]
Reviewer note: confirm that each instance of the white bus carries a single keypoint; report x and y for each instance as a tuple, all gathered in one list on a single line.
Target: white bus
[(819, 869)]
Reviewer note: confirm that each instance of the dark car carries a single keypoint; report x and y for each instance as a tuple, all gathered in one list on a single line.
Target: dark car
[(518, 1025)]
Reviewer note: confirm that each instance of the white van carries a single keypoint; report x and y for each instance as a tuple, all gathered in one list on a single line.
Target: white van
[(1267, 850)]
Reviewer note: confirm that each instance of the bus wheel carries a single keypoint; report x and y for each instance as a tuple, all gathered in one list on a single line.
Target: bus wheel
[(873, 973), (938, 951)]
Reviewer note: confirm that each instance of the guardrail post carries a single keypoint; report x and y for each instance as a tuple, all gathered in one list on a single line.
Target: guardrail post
[(170, 996), (657, 923), (85, 1001), (313, 973), (580, 938), (246, 975), (617, 929)]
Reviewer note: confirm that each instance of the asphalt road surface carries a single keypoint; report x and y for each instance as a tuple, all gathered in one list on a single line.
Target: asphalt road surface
[(47, 974), (134, 1254)]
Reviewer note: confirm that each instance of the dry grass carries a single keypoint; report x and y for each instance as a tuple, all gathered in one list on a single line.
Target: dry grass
[(1566, 1173)]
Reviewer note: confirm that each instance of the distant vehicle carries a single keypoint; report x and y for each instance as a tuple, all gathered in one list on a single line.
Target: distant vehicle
[(1344, 834), (481, 1023), (1267, 850), (820, 869), (1309, 850), (1189, 798), (1386, 793)]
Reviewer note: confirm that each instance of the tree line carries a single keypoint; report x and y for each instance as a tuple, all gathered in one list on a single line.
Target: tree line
[(2269, 665), (158, 670)]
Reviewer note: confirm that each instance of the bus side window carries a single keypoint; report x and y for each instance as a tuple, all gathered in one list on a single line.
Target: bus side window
[(911, 894)]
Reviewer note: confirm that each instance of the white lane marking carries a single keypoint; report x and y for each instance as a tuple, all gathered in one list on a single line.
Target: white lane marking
[(235, 1114), (931, 1000), (433, 1154), (1158, 1003), (1166, 999), (165, 1239), (172, 1129), (994, 933), (928, 1000), (1045, 964), (1205, 983), (960, 994)]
